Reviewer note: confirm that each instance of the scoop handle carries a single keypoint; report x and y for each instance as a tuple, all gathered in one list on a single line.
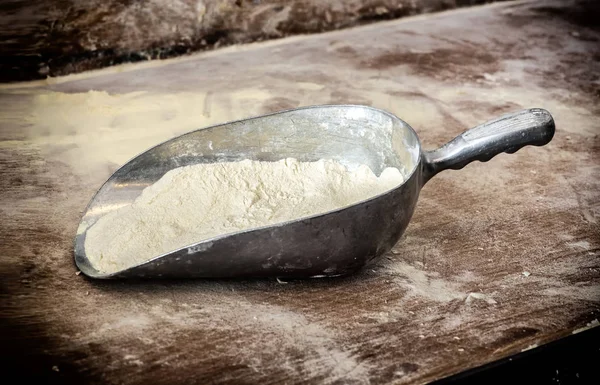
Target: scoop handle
[(507, 133)]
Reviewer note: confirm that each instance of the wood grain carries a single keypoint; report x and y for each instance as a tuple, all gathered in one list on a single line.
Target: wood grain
[(451, 295), (40, 38)]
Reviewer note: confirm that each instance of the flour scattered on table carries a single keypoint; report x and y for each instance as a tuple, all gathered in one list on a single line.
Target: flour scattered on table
[(594, 323), (195, 203), (480, 296), (422, 283)]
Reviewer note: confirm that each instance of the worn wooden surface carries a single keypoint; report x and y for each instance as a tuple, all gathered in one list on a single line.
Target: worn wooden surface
[(450, 296), (60, 37)]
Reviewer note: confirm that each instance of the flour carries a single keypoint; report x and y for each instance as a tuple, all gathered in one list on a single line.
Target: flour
[(194, 203)]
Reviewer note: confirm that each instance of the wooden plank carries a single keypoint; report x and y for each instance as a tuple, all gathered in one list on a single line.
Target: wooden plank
[(60, 37), (450, 296)]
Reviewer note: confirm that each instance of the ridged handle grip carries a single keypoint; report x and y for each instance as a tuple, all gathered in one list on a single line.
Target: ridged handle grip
[(508, 133)]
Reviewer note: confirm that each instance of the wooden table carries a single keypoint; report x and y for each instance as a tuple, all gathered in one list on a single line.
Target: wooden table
[(499, 257)]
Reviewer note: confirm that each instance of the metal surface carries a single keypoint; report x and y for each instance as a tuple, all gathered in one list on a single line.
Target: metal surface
[(331, 244)]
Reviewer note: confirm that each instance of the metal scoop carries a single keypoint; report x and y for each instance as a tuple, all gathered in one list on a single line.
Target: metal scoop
[(334, 243)]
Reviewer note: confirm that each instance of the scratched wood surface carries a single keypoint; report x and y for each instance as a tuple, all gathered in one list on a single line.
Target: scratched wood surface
[(499, 257), (59, 37)]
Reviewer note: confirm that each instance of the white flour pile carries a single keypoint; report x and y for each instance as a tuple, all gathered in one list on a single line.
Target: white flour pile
[(194, 203)]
